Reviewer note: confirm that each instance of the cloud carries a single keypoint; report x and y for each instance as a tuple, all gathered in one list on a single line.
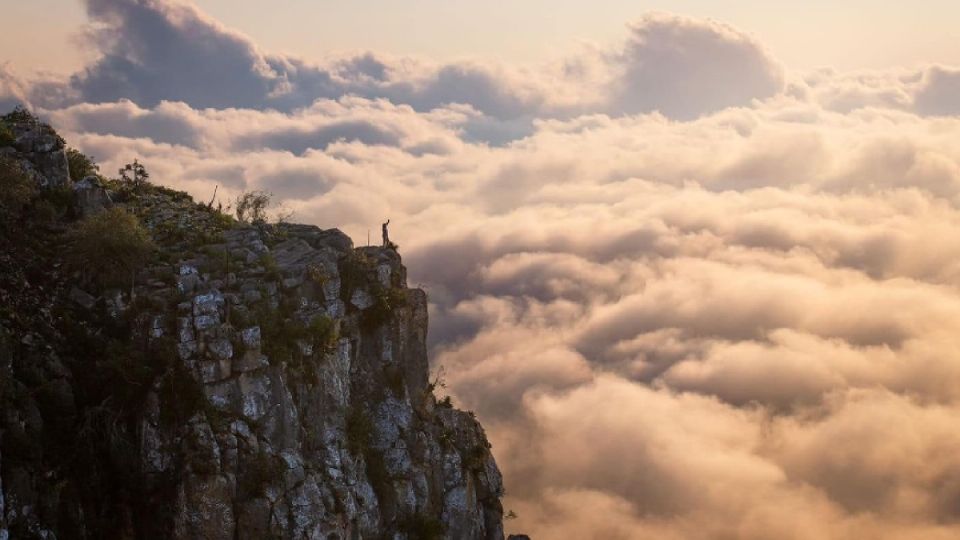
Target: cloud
[(171, 123), (939, 92), (13, 91), (930, 91), (168, 50), (689, 293), (296, 183), (680, 466), (299, 141), (684, 68), (155, 50)]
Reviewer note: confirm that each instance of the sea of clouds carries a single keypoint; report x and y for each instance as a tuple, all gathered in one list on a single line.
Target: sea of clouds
[(690, 292)]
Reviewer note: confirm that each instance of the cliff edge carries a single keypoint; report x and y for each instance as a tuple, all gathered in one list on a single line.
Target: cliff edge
[(233, 381)]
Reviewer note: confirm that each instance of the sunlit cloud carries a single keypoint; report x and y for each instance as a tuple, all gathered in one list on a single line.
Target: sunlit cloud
[(689, 292)]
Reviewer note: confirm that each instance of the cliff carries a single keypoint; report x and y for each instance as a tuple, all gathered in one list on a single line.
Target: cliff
[(240, 381)]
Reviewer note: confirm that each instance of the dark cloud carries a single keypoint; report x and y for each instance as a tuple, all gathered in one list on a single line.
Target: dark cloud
[(229, 175), (168, 123), (475, 85), (366, 65), (296, 183), (300, 140), (13, 91), (156, 50), (167, 50)]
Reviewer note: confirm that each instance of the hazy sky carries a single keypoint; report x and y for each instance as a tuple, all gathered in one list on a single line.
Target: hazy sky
[(847, 35)]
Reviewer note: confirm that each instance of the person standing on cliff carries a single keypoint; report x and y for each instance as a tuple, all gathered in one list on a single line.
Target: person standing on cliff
[(386, 237)]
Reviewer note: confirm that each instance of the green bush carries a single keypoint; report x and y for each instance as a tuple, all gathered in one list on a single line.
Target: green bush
[(16, 189), (134, 173), (356, 269), (80, 164), (278, 331), (271, 272), (359, 431), (19, 115), (181, 397), (222, 221), (377, 473), (251, 207), (395, 380), (476, 457), (60, 199), (6, 135), (109, 247), (385, 302), (257, 474), (422, 527), (322, 331), (218, 261)]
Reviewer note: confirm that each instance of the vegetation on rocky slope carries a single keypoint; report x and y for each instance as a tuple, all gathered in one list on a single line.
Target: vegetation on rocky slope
[(167, 370)]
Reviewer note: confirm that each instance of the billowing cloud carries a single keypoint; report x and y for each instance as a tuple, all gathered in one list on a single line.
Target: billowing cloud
[(167, 50), (171, 123), (939, 92), (690, 294), (684, 68), (13, 91), (156, 50), (931, 91)]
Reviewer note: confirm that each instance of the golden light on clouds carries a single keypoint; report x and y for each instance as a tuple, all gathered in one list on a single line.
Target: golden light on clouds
[(690, 290)]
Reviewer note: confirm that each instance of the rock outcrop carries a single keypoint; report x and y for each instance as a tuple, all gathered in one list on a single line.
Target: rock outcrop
[(90, 196), (252, 381), (41, 151)]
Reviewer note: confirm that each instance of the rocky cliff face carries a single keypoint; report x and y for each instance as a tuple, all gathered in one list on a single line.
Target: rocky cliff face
[(249, 382)]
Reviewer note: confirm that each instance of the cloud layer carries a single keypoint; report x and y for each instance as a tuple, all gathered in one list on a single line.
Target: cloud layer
[(690, 293), (167, 50)]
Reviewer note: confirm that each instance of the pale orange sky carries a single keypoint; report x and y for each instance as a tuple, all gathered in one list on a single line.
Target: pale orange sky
[(846, 35)]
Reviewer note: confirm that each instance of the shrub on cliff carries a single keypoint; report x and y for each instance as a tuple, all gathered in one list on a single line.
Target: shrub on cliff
[(423, 527), (6, 135), (109, 247), (257, 472), (23, 118), (80, 164), (134, 173), (19, 115), (386, 300), (16, 189), (251, 206)]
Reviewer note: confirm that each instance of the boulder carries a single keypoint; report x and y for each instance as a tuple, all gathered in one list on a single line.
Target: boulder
[(90, 196)]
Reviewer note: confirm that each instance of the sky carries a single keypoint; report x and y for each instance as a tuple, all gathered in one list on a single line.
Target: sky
[(695, 269), (853, 34)]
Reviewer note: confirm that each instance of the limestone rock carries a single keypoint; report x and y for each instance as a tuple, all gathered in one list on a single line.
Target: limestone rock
[(43, 152), (90, 196), (254, 383), (82, 298)]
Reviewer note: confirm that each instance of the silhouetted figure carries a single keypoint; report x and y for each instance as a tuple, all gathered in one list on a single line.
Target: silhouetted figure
[(386, 237)]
